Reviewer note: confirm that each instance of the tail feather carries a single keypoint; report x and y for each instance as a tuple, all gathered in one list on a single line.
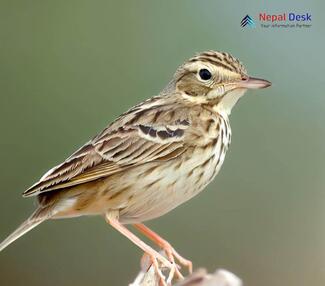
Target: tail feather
[(34, 220)]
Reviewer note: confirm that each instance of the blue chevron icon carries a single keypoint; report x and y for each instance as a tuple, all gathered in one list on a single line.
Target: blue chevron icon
[(247, 21)]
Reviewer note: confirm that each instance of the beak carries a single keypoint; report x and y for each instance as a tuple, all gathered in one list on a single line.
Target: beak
[(254, 83)]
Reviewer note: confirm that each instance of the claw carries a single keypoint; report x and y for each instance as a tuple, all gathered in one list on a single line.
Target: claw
[(170, 253), (155, 261), (183, 261), (158, 271)]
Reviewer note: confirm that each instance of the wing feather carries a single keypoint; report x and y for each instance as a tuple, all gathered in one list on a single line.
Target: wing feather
[(124, 144)]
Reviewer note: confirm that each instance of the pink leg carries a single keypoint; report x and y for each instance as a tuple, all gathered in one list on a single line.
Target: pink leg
[(165, 245), (154, 256)]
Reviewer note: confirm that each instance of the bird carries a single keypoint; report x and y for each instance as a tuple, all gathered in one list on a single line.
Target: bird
[(157, 155)]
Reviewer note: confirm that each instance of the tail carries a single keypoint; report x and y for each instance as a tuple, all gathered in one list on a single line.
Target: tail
[(34, 220)]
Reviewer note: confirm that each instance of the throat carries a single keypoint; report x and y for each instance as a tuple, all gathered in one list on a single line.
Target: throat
[(228, 101)]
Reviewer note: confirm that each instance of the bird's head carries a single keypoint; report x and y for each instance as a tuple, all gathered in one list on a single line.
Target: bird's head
[(215, 78)]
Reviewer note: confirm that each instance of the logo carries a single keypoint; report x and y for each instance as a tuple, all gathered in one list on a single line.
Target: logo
[(247, 21), (285, 20), (279, 20)]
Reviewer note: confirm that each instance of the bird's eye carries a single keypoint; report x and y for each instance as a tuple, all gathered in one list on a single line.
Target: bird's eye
[(205, 74)]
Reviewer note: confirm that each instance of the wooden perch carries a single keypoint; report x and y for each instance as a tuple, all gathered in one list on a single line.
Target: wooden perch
[(199, 278)]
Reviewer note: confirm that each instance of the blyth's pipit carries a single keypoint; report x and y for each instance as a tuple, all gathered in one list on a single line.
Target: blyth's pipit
[(152, 158)]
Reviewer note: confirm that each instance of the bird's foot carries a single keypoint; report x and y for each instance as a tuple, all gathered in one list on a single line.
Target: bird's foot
[(172, 254), (159, 265)]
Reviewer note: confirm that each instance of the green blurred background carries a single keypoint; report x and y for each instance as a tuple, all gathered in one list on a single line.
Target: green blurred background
[(68, 68)]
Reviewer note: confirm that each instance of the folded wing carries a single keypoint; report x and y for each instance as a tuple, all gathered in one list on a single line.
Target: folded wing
[(144, 134)]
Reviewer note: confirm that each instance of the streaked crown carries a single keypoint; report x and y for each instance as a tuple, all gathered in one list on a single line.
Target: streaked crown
[(224, 61)]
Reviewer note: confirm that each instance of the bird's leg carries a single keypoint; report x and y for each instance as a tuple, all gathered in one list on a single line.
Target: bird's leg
[(165, 245), (153, 255)]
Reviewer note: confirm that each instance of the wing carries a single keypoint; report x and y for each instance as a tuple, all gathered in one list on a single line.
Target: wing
[(146, 133)]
